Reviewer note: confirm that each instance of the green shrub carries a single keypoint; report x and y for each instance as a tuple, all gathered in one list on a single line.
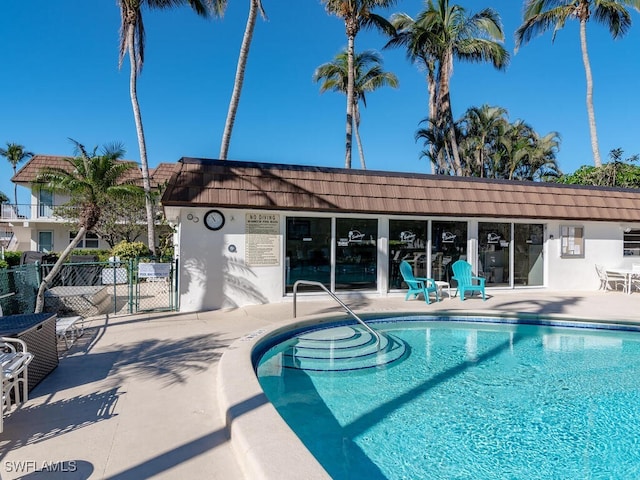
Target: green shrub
[(102, 255), (13, 258), (127, 250), (4, 264)]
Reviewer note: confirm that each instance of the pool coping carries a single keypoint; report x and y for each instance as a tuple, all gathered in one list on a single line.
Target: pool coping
[(251, 419)]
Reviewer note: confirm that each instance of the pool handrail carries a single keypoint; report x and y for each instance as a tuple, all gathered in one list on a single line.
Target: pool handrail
[(342, 304)]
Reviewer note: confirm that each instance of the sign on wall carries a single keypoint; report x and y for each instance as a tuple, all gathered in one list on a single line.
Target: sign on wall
[(263, 239)]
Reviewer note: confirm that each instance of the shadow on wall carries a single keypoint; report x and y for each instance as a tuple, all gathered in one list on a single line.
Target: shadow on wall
[(204, 290)]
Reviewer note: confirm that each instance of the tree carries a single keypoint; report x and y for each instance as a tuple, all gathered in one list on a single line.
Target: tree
[(369, 76), (420, 47), (16, 154), (618, 172), (90, 180), (3, 198), (356, 14), (543, 15), (255, 6), (471, 38), (132, 42), (482, 127)]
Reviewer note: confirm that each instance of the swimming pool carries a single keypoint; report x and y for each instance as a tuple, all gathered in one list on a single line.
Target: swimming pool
[(476, 400)]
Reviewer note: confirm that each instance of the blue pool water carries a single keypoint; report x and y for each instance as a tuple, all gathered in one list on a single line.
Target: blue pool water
[(468, 400)]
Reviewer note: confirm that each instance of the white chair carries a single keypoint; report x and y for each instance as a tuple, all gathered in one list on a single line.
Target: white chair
[(609, 280), (14, 362), (635, 276)]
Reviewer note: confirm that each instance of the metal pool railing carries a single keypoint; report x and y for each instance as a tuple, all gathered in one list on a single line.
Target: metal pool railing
[(342, 304)]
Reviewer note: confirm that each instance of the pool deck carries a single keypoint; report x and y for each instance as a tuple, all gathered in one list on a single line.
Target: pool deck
[(142, 396)]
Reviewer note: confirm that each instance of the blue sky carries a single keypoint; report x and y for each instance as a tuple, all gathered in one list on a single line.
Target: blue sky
[(60, 80)]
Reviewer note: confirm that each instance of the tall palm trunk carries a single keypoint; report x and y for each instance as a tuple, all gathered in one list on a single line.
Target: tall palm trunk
[(146, 184), (445, 115), (356, 112), (350, 96), (15, 188), (237, 86), (431, 89), (46, 281), (590, 111)]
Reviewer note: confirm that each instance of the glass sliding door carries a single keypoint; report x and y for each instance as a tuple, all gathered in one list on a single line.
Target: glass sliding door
[(407, 241), (448, 244), (308, 251), (494, 243), (528, 264), (45, 199), (356, 253)]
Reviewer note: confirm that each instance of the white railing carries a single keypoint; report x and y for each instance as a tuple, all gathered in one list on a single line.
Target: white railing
[(26, 211)]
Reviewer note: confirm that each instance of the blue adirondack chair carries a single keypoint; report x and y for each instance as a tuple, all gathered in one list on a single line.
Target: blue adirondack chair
[(418, 285), (467, 282)]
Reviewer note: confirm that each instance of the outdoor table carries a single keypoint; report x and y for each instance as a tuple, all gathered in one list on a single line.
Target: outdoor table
[(38, 331)]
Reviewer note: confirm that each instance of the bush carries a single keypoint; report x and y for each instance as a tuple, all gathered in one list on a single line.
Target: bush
[(13, 258), (128, 250), (4, 264), (102, 255)]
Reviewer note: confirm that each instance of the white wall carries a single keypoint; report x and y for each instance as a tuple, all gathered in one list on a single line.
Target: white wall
[(213, 276), (602, 245)]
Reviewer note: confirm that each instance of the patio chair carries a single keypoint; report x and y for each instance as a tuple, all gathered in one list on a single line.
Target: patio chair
[(418, 285), (609, 280), (467, 282), (14, 360), (635, 277)]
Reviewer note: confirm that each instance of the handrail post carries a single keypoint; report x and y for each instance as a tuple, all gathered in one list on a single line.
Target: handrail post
[(335, 297)]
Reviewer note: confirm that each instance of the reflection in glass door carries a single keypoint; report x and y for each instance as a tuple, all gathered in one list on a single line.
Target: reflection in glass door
[(494, 243), (308, 250), (408, 242), (448, 244), (356, 253), (527, 260)]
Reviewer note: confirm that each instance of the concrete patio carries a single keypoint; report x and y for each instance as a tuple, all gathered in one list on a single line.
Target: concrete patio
[(137, 396)]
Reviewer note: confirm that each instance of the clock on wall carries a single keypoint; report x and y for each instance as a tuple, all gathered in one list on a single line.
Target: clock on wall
[(214, 220)]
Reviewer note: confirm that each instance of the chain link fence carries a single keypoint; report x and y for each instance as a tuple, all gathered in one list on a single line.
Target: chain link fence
[(89, 288)]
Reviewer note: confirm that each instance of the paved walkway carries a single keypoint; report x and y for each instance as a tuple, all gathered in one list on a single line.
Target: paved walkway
[(136, 397)]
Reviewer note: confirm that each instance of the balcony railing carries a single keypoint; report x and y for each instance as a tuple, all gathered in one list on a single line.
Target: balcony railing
[(26, 211)]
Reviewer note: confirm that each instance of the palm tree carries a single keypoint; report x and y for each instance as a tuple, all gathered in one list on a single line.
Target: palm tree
[(483, 126), (356, 14), (474, 38), (255, 6), (420, 46), (542, 15), (132, 42), (369, 76), (90, 180), (16, 154)]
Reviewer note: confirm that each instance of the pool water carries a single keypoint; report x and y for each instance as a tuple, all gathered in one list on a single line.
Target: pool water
[(471, 401)]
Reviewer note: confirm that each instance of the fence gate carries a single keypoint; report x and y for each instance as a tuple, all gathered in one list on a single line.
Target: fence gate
[(141, 285)]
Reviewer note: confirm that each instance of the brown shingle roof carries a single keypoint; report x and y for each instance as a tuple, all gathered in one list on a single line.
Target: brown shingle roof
[(208, 183), (29, 172)]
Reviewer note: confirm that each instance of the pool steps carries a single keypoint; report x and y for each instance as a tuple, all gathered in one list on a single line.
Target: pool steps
[(342, 348)]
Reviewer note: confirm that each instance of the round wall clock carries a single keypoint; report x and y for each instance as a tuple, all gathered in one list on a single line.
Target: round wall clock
[(214, 220)]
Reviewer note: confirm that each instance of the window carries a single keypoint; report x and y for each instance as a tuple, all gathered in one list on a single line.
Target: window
[(356, 253), (632, 243), (308, 248), (90, 240), (45, 242), (448, 245), (571, 242), (407, 241)]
